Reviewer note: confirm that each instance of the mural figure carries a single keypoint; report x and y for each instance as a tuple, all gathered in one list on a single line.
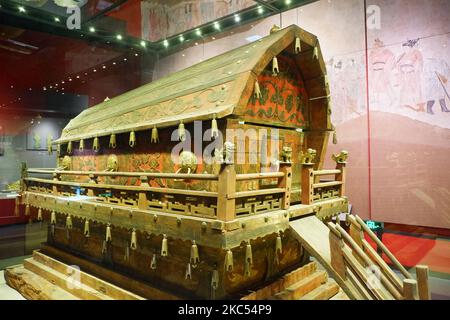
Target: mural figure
[(436, 84), (381, 62), (410, 66)]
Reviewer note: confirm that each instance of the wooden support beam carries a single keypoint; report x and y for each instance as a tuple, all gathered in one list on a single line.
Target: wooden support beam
[(422, 282), (226, 202), (337, 256), (409, 289), (341, 177), (307, 183), (285, 182)]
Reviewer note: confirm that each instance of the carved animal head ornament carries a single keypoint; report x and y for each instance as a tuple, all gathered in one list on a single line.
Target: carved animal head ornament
[(340, 157), (286, 154), (308, 156), (66, 163)]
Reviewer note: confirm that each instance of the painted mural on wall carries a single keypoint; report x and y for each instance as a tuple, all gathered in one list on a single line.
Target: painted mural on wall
[(408, 79), (162, 19)]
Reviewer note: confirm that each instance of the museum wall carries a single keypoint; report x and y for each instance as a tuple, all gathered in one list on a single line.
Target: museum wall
[(398, 131)]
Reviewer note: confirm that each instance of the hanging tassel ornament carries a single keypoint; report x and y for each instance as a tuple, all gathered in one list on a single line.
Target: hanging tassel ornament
[(69, 147), (214, 128), (257, 90), (195, 259), (278, 245), (81, 147), (153, 263), (132, 141), (316, 53), (112, 141), (133, 244), (164, 247), (108, 237), (53, 217), (96, 144), (27, 210), (215, 279), (229, 261), (86, 229), (181, 131), (248, 259), (39, 215), (69, 222), (298, 46), (275, 69), (154, 138), (188, 274), (334, 134)]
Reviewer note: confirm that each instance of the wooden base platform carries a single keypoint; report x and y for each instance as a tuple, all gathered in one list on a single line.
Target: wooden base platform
[(42, 277)]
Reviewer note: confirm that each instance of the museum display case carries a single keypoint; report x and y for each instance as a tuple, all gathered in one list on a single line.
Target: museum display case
[(214, 150)]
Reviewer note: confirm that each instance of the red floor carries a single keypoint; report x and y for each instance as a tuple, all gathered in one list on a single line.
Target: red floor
[(411, 251)]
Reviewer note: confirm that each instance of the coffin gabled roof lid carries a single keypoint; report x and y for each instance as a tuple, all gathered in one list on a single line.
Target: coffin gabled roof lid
[(214, 87)]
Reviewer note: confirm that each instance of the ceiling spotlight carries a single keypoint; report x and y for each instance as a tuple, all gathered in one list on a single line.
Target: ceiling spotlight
[(119, 37), (166, 43), (104, 67), (91, 29), (260, 10), (114, 63), (216, 25), (288, 2), (78, 77), (143, 44), (198, 32), (62, 82), (57, 19), (70, 79), (21, 9), (124, 59), (237, 18), (44, 88), (95, 70), (181, 38), (136, 54)]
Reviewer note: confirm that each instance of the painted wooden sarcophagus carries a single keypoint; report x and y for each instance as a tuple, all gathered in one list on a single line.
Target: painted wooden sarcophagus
[(189, 183)]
